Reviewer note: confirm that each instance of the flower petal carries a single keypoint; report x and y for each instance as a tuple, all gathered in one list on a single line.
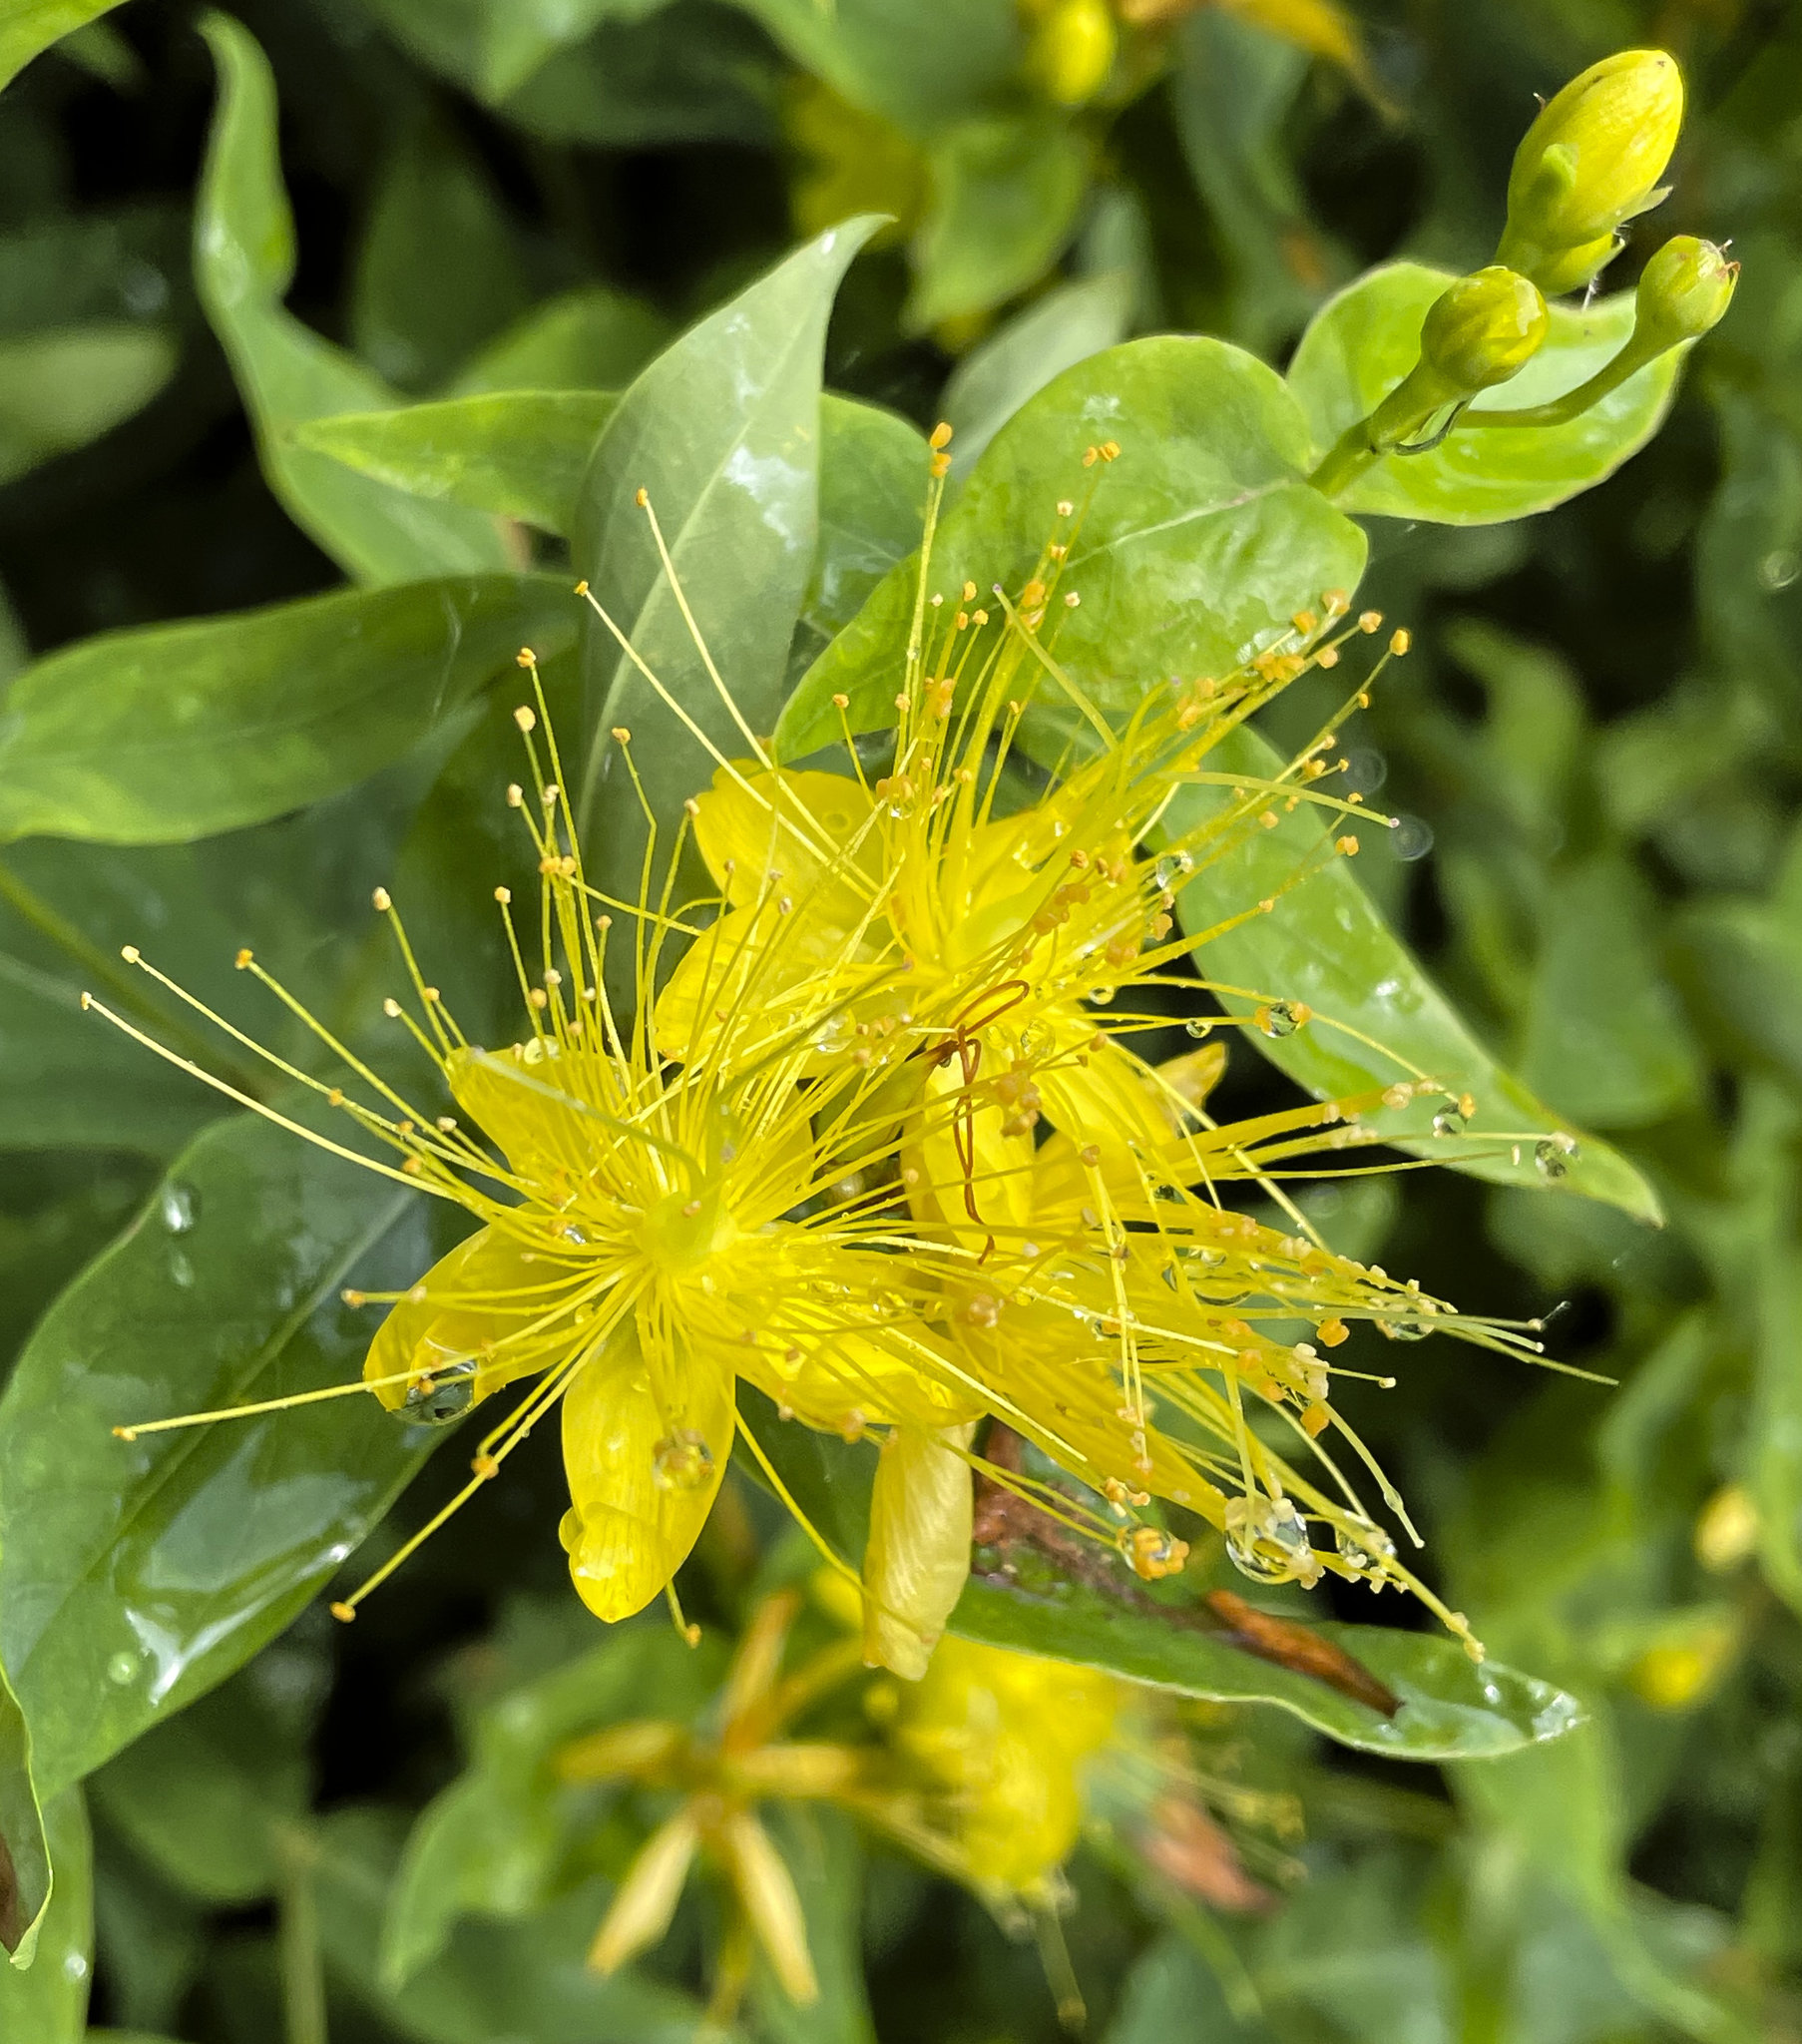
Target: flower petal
[(918, 1553)]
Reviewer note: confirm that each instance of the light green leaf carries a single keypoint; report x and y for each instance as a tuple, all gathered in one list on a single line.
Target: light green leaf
[(1070, 323), (497, 1980), (47, 2001), (25, 1871), (723, 433), (872, 505), (517, 453), (1201, 544), (244, 264), (1364, 342), (1326, 945), (133, 1576), (1450, 1707), (417, 316), (1006, 191), (176, 731), (61, 388), (29, 27), (920, 63), (1605, 1039), (588, 339), (1765, 1224)]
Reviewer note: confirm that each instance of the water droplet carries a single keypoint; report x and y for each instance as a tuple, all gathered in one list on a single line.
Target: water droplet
[(1450, 1121), (179, 1206), (74, 1967), (1552, 1158), (449, 1394), (682, 1462), (1198, 1027), (1393, 1329), (834, 1033), (1363, 1547), (1779, 568), (1365, 769), (1099, 996), (122, 1668), (1411, 839), (1172, 870), (1267, 1539), (1280, 1018)]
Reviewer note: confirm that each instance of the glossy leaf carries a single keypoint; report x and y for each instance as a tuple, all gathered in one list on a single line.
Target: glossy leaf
[(1451, 1708), (1201, 543), (517, 453), (25, 1871), (133, 1576), (1070, 323), (244, 264), (497, 1980), (140, 738), (1006, 194), (1326, 945), (30, 26), (588, 340), (47, 2001), (1365, 340), (722, 433), (63, 387), (872, 503)]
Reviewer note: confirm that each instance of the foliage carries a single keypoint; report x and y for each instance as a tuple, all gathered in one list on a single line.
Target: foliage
[(276, 514)]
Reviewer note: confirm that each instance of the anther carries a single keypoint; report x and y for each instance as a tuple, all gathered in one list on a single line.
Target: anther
[(343, 1613), (1399, 642), (581, 589), (503, 896), (841, 702), (516, 794), (525, 655), (130, 953), (1347, 844), (391, 1008), (525, 717), (1369, 620), (241, 961), (1066, 509), (941, 437), (641, 498), (621, 735), (355, 1298)]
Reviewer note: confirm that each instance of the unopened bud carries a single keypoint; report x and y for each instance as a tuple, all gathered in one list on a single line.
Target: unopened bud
[(1480, 330), (1072, 51), (1591, 159), (1683, 291)]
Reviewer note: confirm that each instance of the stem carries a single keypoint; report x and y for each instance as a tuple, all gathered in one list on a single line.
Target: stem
[(301, 1962), (1398, 417), (1560, 411)]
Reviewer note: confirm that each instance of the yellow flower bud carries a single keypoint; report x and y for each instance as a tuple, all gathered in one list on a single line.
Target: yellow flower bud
[(1684, 289), (1073, 50), (1480, 330), (1591, 159), (918, 1552)]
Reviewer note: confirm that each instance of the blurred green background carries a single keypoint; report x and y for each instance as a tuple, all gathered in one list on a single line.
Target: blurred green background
[(1595, 747)]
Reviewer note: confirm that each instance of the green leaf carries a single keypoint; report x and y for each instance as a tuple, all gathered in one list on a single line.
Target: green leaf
[(202, 1796), (723, 433), (823, 1854), (62, 1207), (1766, 1223), (1070, 323), (497, 1980), (1326, 945), (1365, 340), (133, 1576), (588, 340), (1201, 543), (1739, 965), (140, 738), (47, 2001), (244, 264), (919, 63), (62, 389), (25, 1871), (1451, 1708), (493, 46), (872, 504), (1006, 191), (1172, 1992), (517, 453), (29, 27), (1606, 1038), (68, 270), (414, 317)]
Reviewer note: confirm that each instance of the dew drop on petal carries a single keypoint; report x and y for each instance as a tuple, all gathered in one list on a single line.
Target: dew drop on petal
[(681, 1460), (449, 1394)]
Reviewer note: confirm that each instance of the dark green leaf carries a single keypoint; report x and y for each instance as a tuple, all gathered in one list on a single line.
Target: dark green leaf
[(1326, 945), (722, 434), (1366, 340), (25, 1874), (180, 730), (30, 26), (493, 46), (244, 264), (1202, 539), (61, 388), (497, 1980), (517, 453), (133, 1576), (1070, 323), (47, 2001), (1739, 965), (1006, 194), (122, 264), (588, 339)]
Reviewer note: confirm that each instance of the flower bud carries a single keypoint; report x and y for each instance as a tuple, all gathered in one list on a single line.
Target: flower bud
[(918, 1552), (1591, 159), (1683, 290), (1480, 330), (1072, 52)]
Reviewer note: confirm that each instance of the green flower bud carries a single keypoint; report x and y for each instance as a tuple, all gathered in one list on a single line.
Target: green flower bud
[(1683, 291), (1591, 159), (1072, 51), (1480, 330)]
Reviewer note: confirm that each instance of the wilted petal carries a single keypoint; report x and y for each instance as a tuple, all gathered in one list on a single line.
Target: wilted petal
[(918, 1553)]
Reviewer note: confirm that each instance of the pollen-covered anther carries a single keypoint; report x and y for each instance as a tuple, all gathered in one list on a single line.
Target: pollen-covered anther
[(621, 735), (1328, 656), (1347, 845), (343, 1613), (1370, 621), (503, 896), (1399, 1095), (516, 795), (1399, 642), (391, 1008), (1305, 623), (525, 656), (1153, 1554), (538, 997), (1333, 1332), (941, 437), (485, 1466), (354, 1298), (841, 702), (1334, 601), (241, 961), (1066, 509), (525, 717)]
